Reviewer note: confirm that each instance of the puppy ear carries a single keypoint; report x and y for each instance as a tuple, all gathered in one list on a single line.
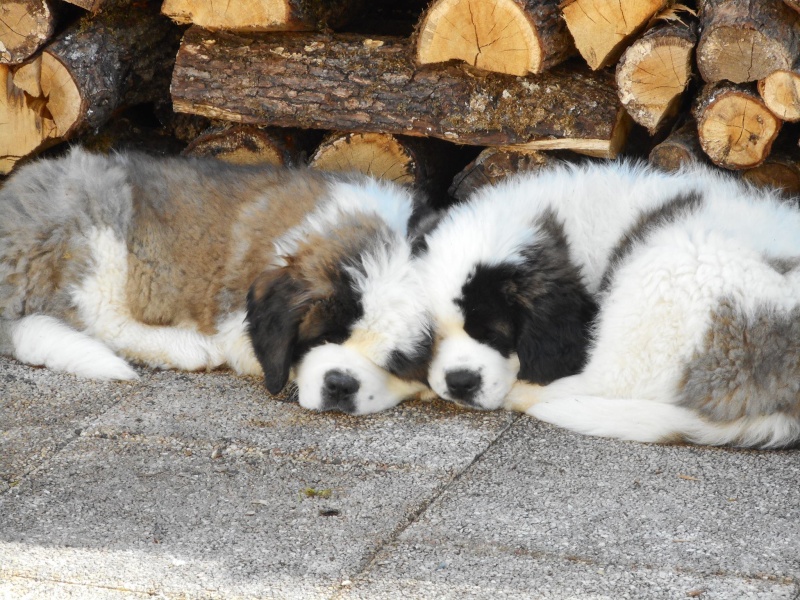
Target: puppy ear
[(276, 305), (553, 335), (424, 219)]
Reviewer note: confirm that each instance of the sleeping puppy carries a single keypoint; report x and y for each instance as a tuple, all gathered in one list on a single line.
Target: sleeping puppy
[(507, 297), (697, 277), (698, 335), (108, 258)]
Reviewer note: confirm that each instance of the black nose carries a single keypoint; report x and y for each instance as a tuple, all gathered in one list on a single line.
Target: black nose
[(462, 384), (338, 390)]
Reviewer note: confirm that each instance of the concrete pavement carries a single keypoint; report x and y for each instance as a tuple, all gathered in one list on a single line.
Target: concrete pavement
[(201, 486)]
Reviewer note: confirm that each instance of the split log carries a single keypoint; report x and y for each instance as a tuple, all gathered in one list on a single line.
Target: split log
[(346, 82), (262, 15), (781, 93), (25, 26), (425, 164), (493, 165), (506, 36), (249, 144), (780, 171), (735, 127), (680, 148), (93, 6), (92, 69), (654, 72), (746, 41), (602, 29)]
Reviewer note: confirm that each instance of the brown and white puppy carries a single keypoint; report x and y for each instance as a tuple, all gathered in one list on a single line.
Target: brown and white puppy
[(107, 258)]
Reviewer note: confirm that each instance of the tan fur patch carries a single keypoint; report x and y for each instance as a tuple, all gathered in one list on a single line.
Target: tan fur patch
[(210, 238)]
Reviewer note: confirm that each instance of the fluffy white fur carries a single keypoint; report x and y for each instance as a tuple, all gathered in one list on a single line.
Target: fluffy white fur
[(43, 340), (396, 317), (657, 310)]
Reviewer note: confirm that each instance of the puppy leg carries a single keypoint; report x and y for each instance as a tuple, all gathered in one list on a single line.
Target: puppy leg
[(43, 340), (524, 395)]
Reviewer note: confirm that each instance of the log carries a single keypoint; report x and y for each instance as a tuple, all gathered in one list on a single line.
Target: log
[(780, 170), (25, 26), (735, 127), (425, 164), (249, 144), (346, 82), (602, 29), (654, 72), (781, 93), (794, 4), (93, 6), (263, 15), (746, 41), (90, 70), (506, 36), (680, 148), (493, 165)]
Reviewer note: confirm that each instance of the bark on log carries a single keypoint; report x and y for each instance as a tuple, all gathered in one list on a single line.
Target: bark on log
[(746, 40), (735, 127), (781, 93), (680, 148), (654, 72), (351, 83), (249, 144), (493, 165), (25, 26), (263, 15), (603, 28), (506, 36), (85, 74), (780, 171)]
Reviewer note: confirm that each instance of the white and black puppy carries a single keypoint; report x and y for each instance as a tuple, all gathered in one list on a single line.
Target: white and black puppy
[(508, 298), (697, 276), (108, 258)]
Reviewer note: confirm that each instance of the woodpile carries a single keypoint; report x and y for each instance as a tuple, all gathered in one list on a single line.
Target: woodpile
[(443, 95)]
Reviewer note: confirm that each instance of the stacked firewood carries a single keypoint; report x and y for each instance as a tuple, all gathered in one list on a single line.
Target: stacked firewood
[(413, 92)]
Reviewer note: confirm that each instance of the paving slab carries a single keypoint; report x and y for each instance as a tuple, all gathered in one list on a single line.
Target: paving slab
[(200, 485), (41, 410), (235, 414), (185, 486), (551, 514)]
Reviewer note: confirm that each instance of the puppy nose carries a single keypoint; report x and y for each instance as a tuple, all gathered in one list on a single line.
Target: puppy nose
[(339, 384), (462, 384)]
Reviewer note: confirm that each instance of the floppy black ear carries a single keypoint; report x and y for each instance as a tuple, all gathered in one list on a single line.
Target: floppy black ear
[(275, 307), (553, 334)]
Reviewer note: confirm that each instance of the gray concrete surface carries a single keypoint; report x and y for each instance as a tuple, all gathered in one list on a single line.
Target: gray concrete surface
[(201, 486)]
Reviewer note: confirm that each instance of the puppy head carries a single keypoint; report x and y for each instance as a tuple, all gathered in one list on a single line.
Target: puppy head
[(344, 308), (525, 316)]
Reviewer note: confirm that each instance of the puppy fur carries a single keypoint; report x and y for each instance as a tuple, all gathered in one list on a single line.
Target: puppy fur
[(697, 276), (508, 298), (108, 258)]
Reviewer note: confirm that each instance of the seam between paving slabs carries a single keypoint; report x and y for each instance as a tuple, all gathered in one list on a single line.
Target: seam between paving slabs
[(369, 561), (75, 435)]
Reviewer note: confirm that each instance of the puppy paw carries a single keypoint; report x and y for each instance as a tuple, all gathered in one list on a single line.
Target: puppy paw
[(522, 396)]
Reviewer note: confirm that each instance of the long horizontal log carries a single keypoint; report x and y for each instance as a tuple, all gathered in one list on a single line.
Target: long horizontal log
[(348, 82)]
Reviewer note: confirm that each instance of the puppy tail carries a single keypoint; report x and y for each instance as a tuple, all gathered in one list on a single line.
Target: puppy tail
[(659, 422), (43, 340)]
